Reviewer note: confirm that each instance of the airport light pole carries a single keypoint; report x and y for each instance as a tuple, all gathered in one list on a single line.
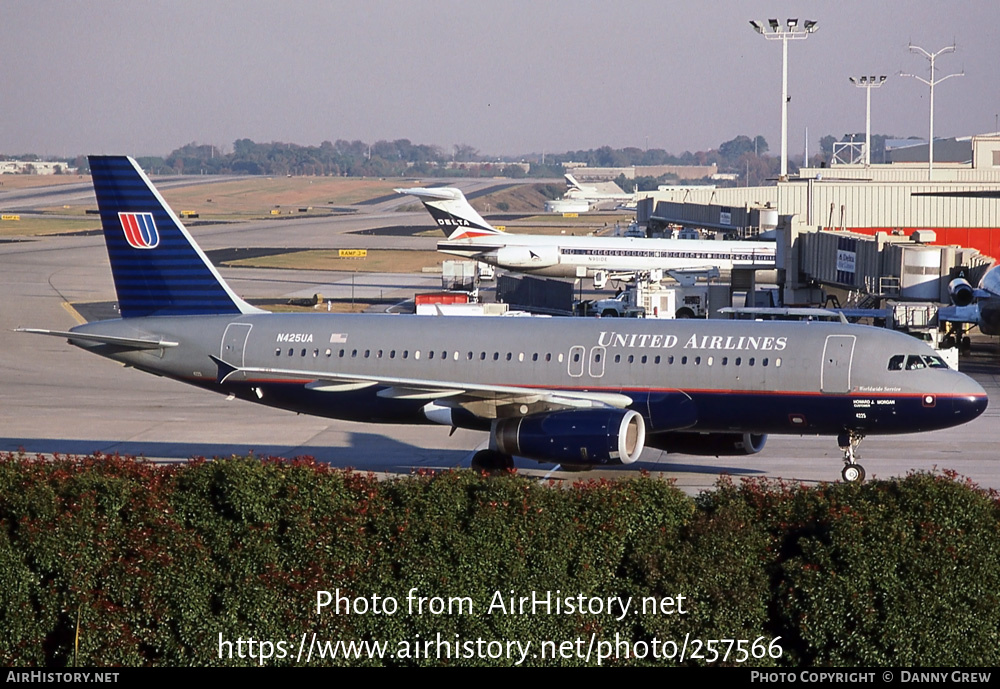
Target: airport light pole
[(868, 83), (932, 82), (793, 32)]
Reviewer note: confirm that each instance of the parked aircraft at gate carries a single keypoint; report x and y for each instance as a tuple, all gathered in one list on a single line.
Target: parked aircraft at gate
[(472, 237), (580, 392), (979, 307)]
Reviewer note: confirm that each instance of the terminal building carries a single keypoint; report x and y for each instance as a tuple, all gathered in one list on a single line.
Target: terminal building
[(956, 204)]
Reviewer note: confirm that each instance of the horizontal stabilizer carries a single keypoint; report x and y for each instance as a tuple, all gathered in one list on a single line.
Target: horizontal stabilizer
[(128, 342)]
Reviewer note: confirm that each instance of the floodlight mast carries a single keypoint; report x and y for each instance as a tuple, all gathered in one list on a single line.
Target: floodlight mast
[(868, 83), (776, 33), (931, 83)]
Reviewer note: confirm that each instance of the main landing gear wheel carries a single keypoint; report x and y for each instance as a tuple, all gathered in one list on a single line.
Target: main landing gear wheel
[(848, 442), (853, 473), (492, 462)]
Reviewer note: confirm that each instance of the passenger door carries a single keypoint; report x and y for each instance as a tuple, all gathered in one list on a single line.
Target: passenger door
[(838, 354)]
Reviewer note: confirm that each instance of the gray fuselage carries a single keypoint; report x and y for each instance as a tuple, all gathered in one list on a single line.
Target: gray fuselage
[(739, 376)]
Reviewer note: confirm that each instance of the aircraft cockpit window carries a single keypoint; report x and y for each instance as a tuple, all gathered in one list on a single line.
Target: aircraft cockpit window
[(896, 362), (933, 361), (914, 362)]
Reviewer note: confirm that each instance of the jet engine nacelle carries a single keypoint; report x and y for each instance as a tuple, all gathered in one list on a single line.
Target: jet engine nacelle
[(710, 444), (527, 257), (961, 292), (587, 436)]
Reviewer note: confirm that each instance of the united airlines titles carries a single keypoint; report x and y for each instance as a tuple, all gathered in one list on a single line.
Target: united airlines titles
[(695, 341)]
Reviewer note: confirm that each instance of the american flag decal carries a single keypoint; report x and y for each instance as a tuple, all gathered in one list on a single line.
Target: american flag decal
[(338, 338), (140, 230)]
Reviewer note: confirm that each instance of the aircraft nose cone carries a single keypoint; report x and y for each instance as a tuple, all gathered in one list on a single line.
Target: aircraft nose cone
[(971, 402), (973, 405)]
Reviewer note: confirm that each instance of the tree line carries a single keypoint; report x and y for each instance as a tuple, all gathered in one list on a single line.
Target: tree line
[(745, 156)]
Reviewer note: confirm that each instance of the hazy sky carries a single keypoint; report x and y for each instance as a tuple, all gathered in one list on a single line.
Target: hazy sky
[(505, 77)]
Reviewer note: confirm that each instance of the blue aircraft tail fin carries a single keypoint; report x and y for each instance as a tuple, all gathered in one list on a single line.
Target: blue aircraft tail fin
[(158, 268)]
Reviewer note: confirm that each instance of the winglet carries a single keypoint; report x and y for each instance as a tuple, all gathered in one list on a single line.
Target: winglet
[(452, 211)]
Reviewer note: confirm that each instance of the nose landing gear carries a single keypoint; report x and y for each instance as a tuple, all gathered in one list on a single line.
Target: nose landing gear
[(848, 441)]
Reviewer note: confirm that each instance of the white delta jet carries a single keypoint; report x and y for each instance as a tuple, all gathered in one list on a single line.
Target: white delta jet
[(470, 236)]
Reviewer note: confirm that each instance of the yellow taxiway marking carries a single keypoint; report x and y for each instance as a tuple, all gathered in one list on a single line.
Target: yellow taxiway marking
[(74, 313)]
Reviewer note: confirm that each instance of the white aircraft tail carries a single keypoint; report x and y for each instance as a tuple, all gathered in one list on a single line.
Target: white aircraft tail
[(452, 212)]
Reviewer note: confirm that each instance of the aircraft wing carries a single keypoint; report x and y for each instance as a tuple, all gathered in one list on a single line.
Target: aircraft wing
[(483, 400), (960, 314)]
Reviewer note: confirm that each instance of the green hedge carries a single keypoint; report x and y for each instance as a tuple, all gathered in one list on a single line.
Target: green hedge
[(113, 561)]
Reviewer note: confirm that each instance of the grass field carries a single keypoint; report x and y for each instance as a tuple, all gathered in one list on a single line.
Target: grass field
[(335, 307), (30, 181), (258, 196), (255, 198), (30, 225)]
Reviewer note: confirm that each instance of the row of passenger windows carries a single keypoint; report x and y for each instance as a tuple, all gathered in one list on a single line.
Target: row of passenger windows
[(521, 356), (405, 354), (914, 362)]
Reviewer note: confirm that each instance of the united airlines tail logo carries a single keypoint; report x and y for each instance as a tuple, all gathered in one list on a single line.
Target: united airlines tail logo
[(140, 230)]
